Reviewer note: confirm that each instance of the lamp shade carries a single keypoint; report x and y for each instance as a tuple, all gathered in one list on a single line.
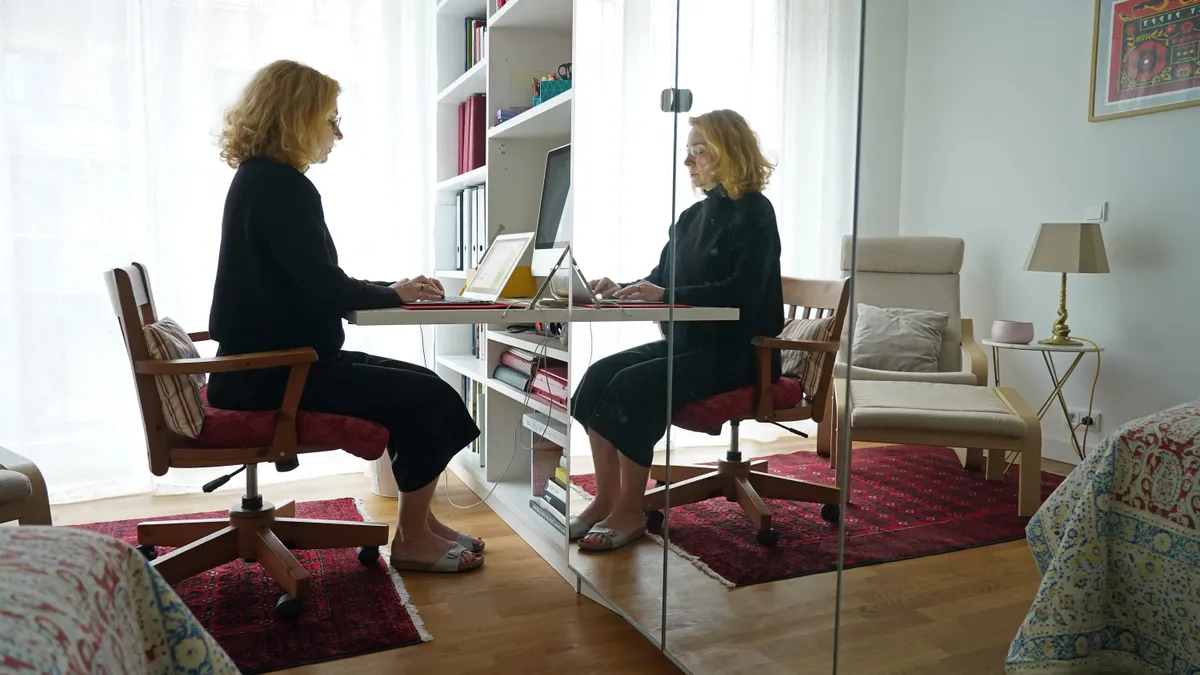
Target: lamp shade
[(1068, 247)]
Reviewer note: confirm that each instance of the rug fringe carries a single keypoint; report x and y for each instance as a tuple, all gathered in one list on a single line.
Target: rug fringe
[(695, 561), (397, 581)]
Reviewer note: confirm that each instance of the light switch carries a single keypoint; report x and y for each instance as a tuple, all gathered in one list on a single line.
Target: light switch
[(1097, 213)]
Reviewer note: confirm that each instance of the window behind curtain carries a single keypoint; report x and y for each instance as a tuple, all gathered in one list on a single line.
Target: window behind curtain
[(108, 115)]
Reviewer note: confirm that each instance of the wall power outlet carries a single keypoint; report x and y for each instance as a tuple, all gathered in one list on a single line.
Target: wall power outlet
[(1080, 417)]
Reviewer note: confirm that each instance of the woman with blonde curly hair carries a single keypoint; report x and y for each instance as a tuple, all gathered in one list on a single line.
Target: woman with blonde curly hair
[(279, 286), (726, 255)]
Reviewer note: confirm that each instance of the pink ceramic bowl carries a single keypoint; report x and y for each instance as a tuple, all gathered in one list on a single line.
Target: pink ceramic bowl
[(1012, 332)]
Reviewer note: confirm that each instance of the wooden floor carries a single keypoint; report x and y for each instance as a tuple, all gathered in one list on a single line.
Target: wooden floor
[(949, 614)]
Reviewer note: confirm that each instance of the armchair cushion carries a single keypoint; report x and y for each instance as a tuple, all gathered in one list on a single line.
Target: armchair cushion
[(898, 339), (14, 487), (256, 428), (710, 414), (180, 394), (954, 377)]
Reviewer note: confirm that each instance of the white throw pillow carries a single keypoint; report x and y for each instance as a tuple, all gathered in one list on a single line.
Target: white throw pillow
[(180, 394), (898, 339)]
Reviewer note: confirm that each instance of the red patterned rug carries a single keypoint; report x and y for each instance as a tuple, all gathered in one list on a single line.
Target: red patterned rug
[(908, 502), (352, 609)]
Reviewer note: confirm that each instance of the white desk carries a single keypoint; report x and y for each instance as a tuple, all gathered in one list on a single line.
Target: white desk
[(454, 315)]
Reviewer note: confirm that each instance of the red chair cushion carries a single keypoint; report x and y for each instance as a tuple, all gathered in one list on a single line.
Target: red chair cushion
[(710, 414), (251, 428)]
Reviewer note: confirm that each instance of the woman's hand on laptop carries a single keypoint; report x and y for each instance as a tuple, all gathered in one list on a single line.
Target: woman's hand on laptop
[(642, 290), (603, 287), (419, 288)]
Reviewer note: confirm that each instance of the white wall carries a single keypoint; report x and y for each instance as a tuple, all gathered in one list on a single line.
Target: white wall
[(995, 141), (885, 47)]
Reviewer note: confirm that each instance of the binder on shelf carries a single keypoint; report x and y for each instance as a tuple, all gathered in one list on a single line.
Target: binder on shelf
[(459, 259)]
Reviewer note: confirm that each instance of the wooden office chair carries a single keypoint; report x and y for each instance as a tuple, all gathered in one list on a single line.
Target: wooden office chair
[(254, 530), (747, 482)]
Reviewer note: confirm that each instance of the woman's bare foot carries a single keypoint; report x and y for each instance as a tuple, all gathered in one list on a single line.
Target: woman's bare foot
[(450, 534), (596, 511), (425, 548), (620, 521)]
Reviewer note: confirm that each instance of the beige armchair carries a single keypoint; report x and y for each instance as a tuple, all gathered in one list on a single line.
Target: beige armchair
[(23, 495), (915, 273)]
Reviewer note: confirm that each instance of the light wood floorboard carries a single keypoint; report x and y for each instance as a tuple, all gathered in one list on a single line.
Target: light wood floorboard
[(940, 615)]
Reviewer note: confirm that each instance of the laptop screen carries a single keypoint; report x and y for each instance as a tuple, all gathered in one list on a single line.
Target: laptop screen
[(497, 265)]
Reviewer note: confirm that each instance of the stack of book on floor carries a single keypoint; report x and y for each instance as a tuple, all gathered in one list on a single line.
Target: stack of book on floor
[(543, 378), (548, 484)]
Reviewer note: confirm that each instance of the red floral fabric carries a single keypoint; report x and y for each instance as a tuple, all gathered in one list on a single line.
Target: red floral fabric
[(708, 415), (236, 428)]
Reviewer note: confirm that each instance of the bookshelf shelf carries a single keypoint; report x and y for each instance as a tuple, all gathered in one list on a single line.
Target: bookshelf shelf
[(461, 9), (464, 180), (468, 366), (549, 120), (528, 400), (530, 342), (547, 15), (472, 82)]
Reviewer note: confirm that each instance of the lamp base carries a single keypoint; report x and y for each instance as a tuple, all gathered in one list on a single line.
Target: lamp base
[(1060, 341)]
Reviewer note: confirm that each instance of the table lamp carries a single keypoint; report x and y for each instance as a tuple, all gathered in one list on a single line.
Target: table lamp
[(1075, 248)]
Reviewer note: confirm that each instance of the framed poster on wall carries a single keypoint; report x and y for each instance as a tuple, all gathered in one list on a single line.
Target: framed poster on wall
[(1145, 57)]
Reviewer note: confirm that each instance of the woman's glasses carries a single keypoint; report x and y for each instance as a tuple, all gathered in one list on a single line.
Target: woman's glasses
[(695, 151), (336, 122)]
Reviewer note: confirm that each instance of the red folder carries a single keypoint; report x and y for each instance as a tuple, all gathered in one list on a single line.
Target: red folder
[(453, 305), (462, 137)]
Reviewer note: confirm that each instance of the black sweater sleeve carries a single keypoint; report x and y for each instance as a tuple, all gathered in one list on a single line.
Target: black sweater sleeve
[(292, 230), (757, 242)]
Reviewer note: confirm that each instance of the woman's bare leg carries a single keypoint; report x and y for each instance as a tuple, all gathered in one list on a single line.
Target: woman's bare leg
[(608, 479), (414, 540), (626, 513)]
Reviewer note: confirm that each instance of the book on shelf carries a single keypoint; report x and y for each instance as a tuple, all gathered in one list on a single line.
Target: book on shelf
[(471, 211), (557, 520), (550, 382), (511, 377), (545, 427), (476, 46)]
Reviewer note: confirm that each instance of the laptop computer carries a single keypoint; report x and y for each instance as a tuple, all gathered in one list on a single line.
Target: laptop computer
[(580, 292), (492, 273)]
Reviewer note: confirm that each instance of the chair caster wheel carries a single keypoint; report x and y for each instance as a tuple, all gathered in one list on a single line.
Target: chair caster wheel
[(367, 555), (831, 512), (654, 521), (768, 537), (288, 608), (148, 552)]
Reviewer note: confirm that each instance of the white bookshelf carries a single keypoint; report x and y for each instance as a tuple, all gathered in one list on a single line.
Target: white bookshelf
[(526, 39)]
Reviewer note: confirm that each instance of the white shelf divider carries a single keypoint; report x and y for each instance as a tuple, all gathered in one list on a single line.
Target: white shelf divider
[(472, 82), (528, 400), (464, 180), (531, 342), (553, 16), (548, 120), (469, 366), (462, 8)]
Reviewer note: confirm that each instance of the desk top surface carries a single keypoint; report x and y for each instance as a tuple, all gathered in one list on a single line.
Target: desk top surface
[(457, 315)]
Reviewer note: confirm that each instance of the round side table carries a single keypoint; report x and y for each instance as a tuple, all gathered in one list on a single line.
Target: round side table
[(1048, 352)]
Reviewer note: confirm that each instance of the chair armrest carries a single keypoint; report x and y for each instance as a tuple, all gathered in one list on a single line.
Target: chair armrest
[(199, 336), (226, 364), (802, 345), (975, 356)]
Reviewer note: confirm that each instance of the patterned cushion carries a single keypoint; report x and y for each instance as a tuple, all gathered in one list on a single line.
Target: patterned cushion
[(180, 394), (256, 428), (708, 415), (798, 363)]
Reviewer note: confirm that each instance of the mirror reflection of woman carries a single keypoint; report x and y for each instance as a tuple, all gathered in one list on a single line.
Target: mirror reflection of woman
[(726, 255), (279, 286)]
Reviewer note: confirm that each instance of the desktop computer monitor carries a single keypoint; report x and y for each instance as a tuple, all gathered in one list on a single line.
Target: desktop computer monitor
[(554, 213)]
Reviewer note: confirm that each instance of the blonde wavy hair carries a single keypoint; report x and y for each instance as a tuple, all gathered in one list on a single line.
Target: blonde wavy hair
[(740, 165), (283, 113)]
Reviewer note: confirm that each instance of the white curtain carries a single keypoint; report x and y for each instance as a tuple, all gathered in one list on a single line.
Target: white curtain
[(108, 110), (790, 67)]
